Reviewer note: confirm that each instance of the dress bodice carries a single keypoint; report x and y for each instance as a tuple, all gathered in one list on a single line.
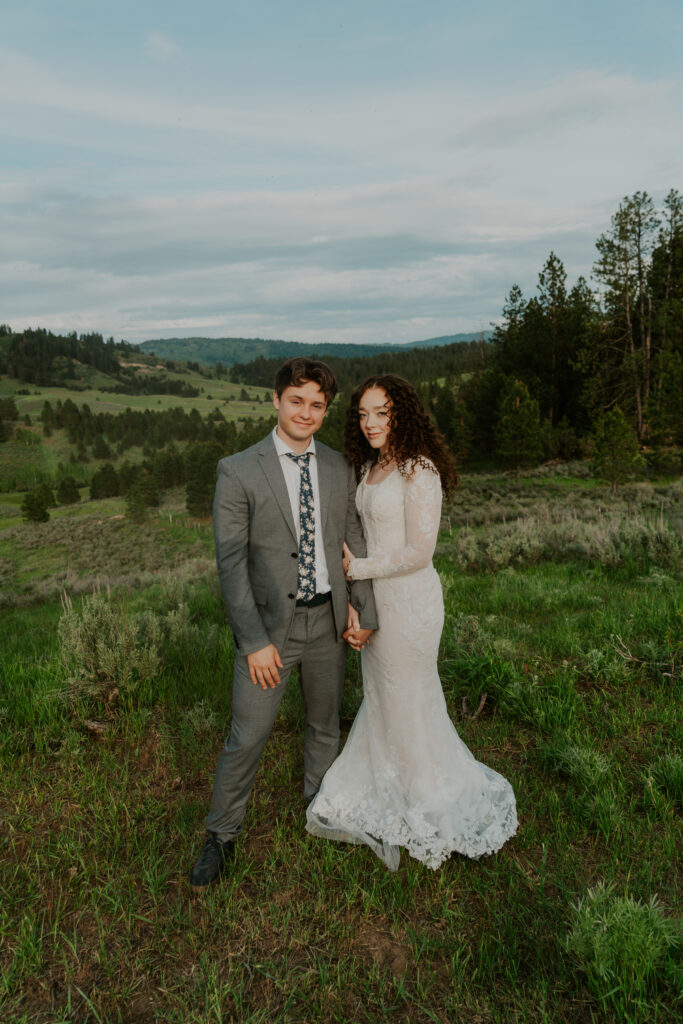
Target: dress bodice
[(400, 517)]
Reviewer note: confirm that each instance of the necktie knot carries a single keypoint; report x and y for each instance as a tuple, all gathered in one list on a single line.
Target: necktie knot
[(302, 460)]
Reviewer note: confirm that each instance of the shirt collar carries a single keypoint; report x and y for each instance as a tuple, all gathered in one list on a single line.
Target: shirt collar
[(283, 449)]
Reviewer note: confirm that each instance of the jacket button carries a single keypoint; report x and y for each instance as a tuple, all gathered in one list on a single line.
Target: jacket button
[(295, 554), (291, 596)]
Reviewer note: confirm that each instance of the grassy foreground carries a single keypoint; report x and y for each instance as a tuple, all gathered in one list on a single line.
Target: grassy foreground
[(562, 670)]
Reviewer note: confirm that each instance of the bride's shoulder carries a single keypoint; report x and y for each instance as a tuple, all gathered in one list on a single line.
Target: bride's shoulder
[(421, 477), (421, 466)]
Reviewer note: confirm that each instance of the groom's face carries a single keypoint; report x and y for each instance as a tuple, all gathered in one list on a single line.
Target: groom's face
[(300, 412)]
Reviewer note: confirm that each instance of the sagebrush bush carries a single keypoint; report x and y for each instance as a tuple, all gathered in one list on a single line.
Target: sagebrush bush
[(201, 719), (532, 539), (468, 634), (104, 644), (626, 948)]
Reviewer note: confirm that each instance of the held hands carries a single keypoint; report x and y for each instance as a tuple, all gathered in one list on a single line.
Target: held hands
[(355, 637), (263, 667)]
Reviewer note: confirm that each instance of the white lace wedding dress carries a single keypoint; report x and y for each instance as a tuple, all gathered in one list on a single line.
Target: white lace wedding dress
[(404, 777)]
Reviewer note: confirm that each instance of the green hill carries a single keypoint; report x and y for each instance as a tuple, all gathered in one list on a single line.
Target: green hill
[(228, 351)]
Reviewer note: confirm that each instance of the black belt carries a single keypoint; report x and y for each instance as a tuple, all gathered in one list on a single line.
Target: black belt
[(315, 601)]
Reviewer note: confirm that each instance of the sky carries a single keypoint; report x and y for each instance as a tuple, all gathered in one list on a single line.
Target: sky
[(375, 171)]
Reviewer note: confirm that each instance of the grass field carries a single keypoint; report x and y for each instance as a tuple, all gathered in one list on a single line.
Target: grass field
[(561, 663), (213, 392)]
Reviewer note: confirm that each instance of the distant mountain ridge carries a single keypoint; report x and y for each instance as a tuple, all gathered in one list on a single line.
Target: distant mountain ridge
[(228, 351)]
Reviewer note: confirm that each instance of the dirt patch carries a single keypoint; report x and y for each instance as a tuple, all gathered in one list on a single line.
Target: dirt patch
[(372, 941)]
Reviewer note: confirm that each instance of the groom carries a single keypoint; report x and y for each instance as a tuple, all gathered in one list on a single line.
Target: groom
[(282, 511)]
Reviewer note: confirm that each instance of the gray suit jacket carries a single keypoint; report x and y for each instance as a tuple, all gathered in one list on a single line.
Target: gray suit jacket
[(256, 545)]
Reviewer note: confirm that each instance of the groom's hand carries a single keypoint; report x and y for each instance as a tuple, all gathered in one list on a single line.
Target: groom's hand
[(357, 638), (263, 667)]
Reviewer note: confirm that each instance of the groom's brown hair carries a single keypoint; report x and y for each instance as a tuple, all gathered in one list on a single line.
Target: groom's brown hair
[(299, 371)]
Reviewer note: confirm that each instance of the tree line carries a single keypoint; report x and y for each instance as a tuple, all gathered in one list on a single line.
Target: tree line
[(562, 363), (416, 364), (39, 357)]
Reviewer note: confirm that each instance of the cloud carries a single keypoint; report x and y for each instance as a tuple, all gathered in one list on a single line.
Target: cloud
[(402, 213), (580, 99), (158, 47)]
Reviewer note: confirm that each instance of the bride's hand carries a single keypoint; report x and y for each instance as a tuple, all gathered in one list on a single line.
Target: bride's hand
[(354, 634), (352, 619), (347, 555)]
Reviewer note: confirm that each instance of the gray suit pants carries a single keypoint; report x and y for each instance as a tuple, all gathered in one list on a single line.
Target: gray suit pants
[(313, 645)]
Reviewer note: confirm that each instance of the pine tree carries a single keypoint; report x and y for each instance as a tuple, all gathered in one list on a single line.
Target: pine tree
[(616, 456), (519, 438), (67, 491), (623, 360), (101, 449), (47, 495), (147, 486), (135, 504), (33, 507), (105, 482)]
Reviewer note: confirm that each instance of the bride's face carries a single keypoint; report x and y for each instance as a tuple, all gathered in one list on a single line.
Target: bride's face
[(374, 415)]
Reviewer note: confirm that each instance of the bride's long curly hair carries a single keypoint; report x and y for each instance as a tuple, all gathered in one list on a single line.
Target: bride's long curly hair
[(412, 437)]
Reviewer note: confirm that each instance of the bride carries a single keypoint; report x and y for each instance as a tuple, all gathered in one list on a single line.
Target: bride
[(404, 777)]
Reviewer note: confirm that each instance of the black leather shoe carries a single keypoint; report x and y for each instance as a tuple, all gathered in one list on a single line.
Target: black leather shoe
[(212, 862)]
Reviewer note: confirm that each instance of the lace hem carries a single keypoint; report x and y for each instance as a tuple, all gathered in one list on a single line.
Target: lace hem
[(424, 840)]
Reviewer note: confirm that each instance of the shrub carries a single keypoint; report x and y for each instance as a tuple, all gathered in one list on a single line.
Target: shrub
[(625, 947), (103, 645), (533, 539), (469, 636), (34, 507), (106, 646)]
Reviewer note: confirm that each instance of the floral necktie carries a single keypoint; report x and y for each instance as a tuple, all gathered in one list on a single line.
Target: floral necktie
[(306, 581)]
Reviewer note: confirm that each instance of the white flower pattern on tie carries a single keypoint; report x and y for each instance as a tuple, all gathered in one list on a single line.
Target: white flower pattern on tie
[(306, 578)]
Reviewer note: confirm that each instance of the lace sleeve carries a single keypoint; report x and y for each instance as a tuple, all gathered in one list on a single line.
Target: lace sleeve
[(422, 511)]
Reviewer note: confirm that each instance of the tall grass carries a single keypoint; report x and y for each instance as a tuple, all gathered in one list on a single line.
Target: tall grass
[(627, 948)]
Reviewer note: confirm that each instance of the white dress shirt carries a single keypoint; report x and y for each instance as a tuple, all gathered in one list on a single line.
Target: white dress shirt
[(292, 476)]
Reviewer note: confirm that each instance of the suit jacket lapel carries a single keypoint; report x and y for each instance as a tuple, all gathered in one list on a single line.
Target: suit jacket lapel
[(270, 464)]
